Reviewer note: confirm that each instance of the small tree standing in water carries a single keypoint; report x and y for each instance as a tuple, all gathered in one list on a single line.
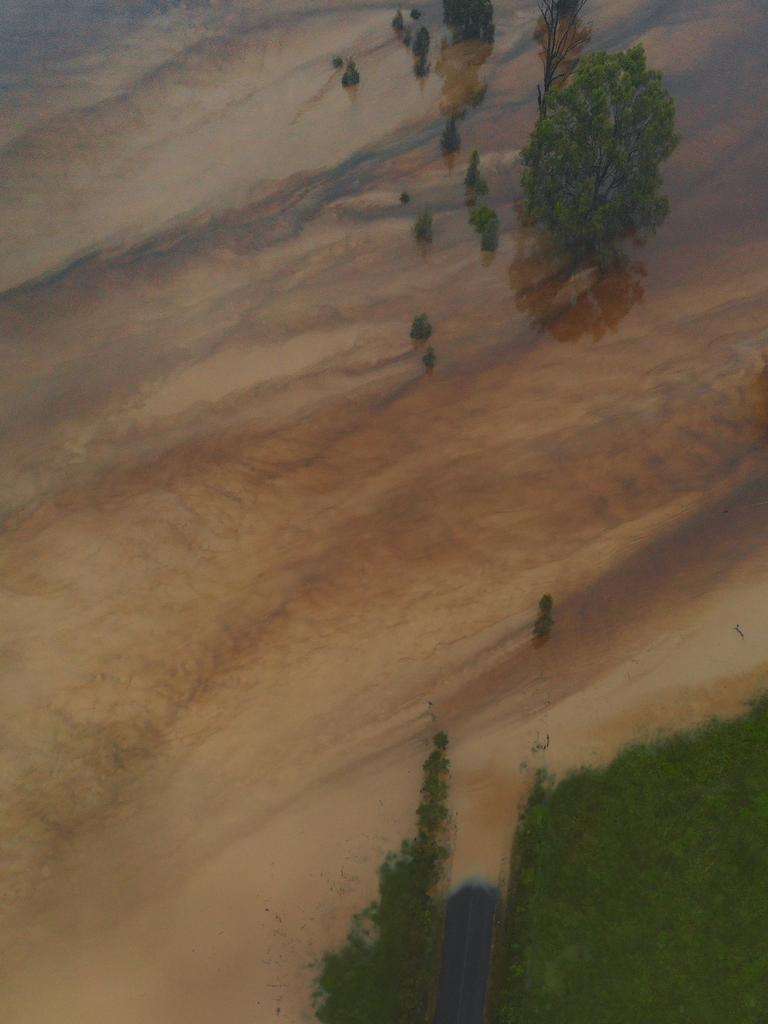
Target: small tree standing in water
[(542, 627), (429, 359), (489, 236), (397, 21), (485, 221), (404, 198), (421, 67), (421, 328), (351, 75), (450, 140), (474, 182), (338, 62), (422, 229), (421, 42)]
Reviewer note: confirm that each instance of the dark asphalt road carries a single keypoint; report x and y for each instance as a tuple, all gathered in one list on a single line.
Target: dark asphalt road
[(466, 955)]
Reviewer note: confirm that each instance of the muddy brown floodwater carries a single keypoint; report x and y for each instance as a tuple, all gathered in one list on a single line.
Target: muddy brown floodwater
[(245, 538)]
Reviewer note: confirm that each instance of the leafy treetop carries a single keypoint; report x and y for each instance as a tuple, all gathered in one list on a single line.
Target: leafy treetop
[(592, 164)]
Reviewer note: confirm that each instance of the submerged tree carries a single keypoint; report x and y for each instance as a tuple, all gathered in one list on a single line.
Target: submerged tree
[(421, 67), (485, 221), (470, 19), (450, 140), (474, 182), (561, 34), (351, 75), (592, 164), (421, 328), (542, 627), (489, 236), (421, 42), (422, 229)]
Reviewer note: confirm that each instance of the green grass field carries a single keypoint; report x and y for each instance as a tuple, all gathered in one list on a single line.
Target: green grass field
[(639, 892)]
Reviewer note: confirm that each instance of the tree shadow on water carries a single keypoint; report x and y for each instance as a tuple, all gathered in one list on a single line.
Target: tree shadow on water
[(566, 301), (459, 65)]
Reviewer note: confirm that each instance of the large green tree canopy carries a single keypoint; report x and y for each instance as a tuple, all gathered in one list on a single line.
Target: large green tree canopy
[(592, 164)]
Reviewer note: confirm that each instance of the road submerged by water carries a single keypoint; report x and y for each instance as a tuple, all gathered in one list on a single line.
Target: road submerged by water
[(466, 955)]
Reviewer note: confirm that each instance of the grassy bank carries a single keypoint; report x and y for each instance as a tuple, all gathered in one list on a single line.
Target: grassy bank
[(639, 892), (386, 969)]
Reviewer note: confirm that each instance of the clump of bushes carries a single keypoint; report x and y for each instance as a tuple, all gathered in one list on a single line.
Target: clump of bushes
[(338, 62), (470, 19), (422, 229), (542, 627), (351, 75), (421, 328), (429, 358), (474, 182), (384, 971), (450, 140), (485, 221)]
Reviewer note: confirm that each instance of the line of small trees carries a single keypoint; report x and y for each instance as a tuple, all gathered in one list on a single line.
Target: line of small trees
[(419, 43), (383, 973)]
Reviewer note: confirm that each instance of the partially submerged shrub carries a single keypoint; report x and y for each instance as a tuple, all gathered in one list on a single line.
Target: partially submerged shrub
[(542, 627), (421, 42), (474, 182), (351, 75), (485, 221), (422, 229), (338, 62), (421, 67), (489, 237), (404, 198), (397, 21), (421, 328), (450, 140), (429, 358), (415, 13)]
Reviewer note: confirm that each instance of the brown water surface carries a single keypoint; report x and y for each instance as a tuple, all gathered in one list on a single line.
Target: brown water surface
[(245, 538)]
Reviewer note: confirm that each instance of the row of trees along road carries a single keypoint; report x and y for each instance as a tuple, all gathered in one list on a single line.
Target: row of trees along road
[(383, 973)]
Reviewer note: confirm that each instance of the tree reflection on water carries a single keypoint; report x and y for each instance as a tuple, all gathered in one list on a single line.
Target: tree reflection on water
[(568, 302), (459, 65)]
